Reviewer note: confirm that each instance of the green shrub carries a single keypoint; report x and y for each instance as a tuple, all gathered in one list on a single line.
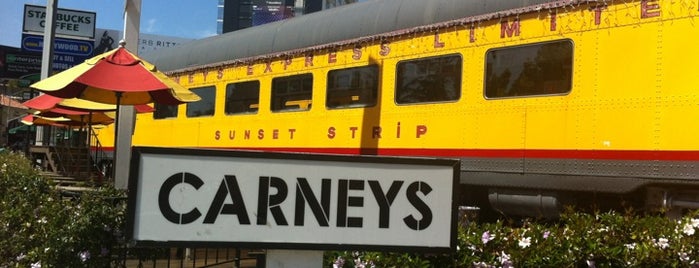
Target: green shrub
[(41, 227), (38, 226), (609, 239)]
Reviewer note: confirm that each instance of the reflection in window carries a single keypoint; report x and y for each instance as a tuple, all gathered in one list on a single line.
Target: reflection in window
[(429, 80), (163, 111), (537, 69), (242, 97), (205, 106), (353, 87), (292, 93)]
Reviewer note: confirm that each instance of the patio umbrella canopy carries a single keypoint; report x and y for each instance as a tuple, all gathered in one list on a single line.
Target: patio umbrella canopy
[(116, 77), (33, 119), (47, 102), (86, 118)]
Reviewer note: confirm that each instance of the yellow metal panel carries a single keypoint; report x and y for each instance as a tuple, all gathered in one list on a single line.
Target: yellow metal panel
[(633, 89)]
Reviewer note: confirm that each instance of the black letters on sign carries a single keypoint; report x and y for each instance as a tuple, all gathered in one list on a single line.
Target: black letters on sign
[(344, 201), (385, 201), (320, 210), (229, 186), (265, 200), (164, 198), (420, 205)]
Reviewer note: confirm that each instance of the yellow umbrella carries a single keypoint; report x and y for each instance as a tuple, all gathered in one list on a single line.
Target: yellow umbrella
[(116, 77)]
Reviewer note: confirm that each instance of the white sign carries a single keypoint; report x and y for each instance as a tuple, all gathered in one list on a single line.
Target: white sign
[(183, 197), (107, 40), (68, 22)]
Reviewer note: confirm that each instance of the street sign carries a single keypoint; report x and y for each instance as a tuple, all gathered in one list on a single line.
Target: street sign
[(68, 22), (189, 197)]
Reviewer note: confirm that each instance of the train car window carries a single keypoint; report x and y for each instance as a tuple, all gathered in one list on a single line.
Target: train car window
[(436, 79), (352, 87), (205, 106), (534, 69), (292, 93), (242, 98), (163, 111)]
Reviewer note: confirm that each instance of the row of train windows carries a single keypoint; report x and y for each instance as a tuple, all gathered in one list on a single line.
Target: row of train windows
[(527, 70)]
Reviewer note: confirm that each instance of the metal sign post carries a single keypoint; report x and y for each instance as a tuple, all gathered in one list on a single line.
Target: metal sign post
[(127, 114), (46, 58)]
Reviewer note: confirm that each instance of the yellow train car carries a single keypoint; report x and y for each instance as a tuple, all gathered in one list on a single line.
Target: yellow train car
[(546, 103)]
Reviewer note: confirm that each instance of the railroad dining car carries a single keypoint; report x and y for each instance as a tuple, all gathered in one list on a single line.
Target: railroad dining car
[(546, 103)]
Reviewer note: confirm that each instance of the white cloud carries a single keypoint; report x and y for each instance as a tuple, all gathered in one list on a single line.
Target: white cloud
[(151, 26)]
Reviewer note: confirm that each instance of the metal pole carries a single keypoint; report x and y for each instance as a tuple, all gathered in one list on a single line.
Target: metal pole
[(49, 37), (46, 57), (127, 115)]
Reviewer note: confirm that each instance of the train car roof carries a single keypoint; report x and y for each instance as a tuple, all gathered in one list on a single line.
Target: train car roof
[(344, 23)]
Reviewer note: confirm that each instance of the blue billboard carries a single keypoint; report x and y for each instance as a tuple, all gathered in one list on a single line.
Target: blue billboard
[(67, 52)]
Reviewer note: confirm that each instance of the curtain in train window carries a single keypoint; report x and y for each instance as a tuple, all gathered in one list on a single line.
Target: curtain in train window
[(242, 98), (536, 69), (353, 87), (436, 79), (163, 111), (205, 106), (292, 93)]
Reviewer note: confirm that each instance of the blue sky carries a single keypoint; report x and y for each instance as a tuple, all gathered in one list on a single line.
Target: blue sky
[(187, 19)]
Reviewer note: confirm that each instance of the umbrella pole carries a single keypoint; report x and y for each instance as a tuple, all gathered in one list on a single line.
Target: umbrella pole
[(116, 134), (87, 142), (79, 144)]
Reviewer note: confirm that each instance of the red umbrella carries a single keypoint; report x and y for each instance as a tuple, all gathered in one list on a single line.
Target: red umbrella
[(47, 102), (116, 77), (81, 117), (32, 119)]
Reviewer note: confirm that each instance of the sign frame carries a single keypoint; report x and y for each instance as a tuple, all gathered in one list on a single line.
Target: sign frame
[(138, 167), (33, 25)]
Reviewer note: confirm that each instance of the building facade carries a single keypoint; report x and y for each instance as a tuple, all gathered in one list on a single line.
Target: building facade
[(239, 14)]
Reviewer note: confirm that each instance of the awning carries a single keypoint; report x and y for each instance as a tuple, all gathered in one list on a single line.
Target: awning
[(21, 128)]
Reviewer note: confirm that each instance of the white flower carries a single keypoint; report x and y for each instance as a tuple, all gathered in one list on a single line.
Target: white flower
[(688, 229), (695, 223), (21, 257), (684, 257), (480, 265), (630, 246), (590, 264), (36, 264), (339, 262), (84, 256), (546, 234), (525, 242), (504, 259), (662, 243), (486, 237)]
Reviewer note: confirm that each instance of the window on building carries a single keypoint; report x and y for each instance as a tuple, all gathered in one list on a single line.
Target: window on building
[(163, 111), (353, 87), (292, 93), (436, 79), (535, 69), (205, 106), (242, 98)]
